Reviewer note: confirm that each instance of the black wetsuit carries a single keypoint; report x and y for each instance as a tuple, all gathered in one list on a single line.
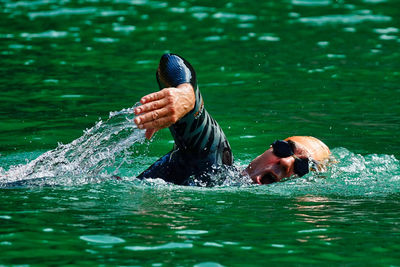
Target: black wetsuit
[(200, 144)]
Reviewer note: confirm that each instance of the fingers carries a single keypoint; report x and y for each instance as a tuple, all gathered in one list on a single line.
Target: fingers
[(154, 105), (152, 97), (158, 124), (151, 116), (160, 110), (149, 133)]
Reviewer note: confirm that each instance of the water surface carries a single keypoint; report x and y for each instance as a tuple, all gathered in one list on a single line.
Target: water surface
[(269, 70)]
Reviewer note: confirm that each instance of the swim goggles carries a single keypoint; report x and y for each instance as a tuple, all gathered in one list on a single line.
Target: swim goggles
[(284, 149)]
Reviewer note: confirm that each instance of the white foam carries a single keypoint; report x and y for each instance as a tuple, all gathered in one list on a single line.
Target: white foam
[(85, 159)]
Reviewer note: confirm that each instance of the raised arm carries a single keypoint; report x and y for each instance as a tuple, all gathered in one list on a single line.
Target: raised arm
[(199, 142)]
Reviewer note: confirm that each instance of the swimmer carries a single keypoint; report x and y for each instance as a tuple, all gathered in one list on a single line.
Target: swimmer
[(201, 145)]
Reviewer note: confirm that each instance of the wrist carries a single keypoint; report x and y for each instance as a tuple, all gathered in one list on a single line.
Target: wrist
[(189, 99)]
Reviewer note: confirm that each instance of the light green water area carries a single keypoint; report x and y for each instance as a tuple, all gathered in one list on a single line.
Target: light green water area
[(70, 72)]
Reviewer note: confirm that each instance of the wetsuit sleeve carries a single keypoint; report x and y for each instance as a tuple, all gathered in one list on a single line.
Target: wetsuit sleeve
[(173, 71)]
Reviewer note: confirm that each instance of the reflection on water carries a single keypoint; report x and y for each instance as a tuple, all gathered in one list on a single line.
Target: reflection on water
[(314, 211)]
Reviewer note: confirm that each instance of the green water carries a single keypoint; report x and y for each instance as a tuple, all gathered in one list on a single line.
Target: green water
[(266, 71)]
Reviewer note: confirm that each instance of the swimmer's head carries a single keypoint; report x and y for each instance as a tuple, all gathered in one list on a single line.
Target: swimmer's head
[(292, 156)]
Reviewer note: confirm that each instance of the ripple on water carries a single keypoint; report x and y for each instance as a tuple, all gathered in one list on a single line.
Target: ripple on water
[(102, 239), (311, 2), (349, 29), (54, 81), (6, 35), (132, 2), (71, 96), (201, 9), (20, 46), (113, 13), (47, 34), (213, 38), (30, 3), (144, 62), (323, 43), (63, 12), (312, 230), (177, 9), (247, 136), (374, 1), (277, 245), (153, 4), (208, 264), (245, 25), (269, 38), (343, 19), (230, 243), (200, 15), (213, 244), (192, 232), (105, 40), (167, 246), (386, 30), (241, 17), (123, 28), (335, 56), (387, 37)]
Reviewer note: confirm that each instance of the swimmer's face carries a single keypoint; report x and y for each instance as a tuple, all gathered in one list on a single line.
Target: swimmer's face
[(268, 168)]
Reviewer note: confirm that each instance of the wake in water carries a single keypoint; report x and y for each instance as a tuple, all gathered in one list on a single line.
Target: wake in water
[(94, 156), (108, 147), (352, 175)]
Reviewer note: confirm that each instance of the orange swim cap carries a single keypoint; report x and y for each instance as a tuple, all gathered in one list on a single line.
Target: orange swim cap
[(317, 149)]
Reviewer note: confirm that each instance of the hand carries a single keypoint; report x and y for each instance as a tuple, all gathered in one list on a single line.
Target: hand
[(161, 109)]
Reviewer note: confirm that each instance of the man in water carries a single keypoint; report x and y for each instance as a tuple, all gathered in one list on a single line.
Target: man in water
[(200, 144)]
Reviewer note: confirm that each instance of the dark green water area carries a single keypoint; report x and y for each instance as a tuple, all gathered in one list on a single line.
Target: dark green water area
[(70, 71)]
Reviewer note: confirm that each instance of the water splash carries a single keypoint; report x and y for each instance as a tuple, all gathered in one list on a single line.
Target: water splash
[(352, 175), (96, 155), (108, 148)]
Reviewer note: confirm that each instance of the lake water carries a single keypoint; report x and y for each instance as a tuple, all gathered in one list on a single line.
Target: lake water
[(72, 70)]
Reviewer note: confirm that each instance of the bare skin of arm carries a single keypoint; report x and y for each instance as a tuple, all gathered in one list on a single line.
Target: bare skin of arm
[(161, 109)]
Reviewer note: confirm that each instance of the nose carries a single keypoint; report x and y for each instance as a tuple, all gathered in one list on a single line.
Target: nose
[(286, 165)]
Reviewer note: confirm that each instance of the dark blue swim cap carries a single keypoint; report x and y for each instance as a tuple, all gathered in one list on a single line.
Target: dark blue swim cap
[(174, 70)]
